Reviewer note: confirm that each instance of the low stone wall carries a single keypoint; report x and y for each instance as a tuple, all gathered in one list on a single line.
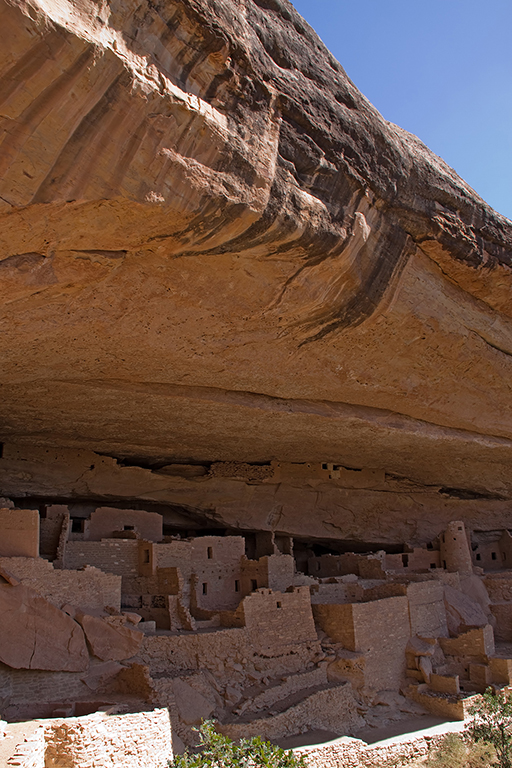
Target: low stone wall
[(138, 740), (353, 753), (89, 589)]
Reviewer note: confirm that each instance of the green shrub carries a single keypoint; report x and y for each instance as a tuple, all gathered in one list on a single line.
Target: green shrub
[(457, 752), (217, 751), (491, 723)]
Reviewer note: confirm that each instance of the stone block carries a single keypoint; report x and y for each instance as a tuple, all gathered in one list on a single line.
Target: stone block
[(462, 611), (34, 634), (108, 642)]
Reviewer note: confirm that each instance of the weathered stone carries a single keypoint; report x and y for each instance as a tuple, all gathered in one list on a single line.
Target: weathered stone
[(462, 612), (34, 634), (238, 257), (192, 705), (108, 642)]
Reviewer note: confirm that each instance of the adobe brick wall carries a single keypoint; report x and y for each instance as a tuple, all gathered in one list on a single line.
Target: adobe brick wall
[(119, 556), (19, 533), (138, 740)]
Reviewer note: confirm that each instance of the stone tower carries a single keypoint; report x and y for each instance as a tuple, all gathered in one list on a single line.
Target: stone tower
[(455, 549)]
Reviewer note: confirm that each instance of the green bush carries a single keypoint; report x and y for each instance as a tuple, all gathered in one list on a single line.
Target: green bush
[(457, 752), (491, 724), (217, 751)]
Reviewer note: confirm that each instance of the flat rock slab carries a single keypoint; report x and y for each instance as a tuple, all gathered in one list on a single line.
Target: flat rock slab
[(107, 642), (34, 634)]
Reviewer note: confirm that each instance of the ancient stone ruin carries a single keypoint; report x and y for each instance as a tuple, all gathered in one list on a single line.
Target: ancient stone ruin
[(255, 412)]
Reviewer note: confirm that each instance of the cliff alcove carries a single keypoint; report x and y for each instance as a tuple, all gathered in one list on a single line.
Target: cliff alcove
[(241, 312)]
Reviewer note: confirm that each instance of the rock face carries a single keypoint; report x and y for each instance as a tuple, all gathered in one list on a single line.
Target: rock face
[(45, 638), (107, 642), (214, 248)]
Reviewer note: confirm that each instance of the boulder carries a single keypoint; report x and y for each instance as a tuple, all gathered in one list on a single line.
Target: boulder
[(462, 612), (109, 642), (34, 634), (192, 705)]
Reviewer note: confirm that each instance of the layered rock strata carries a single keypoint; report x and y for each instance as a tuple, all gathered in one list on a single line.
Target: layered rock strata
[(213, 248)]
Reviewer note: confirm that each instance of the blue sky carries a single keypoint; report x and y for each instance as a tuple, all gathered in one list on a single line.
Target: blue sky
[(441, 69)]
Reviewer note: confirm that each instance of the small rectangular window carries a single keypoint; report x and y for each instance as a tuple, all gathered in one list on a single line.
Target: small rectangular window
[(444, 564), (278, 605), (210, 553), (237, 585), (146, 556), (205, 588), (432, 565), (254, 584), (129, 528), (493, 555), (405, 561), (479, 556)]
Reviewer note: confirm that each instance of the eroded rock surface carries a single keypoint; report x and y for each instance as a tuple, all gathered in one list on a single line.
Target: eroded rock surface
[(214, 248), (109, 642), (34, 634)]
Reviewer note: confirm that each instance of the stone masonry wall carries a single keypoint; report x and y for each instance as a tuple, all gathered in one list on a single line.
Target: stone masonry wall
[(90, 589), (139, 740), (275, 619), (352, 753), (379, 629), (119, 556)]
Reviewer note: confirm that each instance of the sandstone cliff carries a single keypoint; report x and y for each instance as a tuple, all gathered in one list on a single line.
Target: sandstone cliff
[(214, 248)]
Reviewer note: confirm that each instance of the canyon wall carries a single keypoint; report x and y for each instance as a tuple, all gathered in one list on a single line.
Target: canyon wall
[(213, 248)]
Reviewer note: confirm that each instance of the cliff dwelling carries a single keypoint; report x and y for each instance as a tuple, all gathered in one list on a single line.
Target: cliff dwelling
[(255, 413)]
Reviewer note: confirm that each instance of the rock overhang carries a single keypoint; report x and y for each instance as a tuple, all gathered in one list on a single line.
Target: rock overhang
[(214, 248)]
